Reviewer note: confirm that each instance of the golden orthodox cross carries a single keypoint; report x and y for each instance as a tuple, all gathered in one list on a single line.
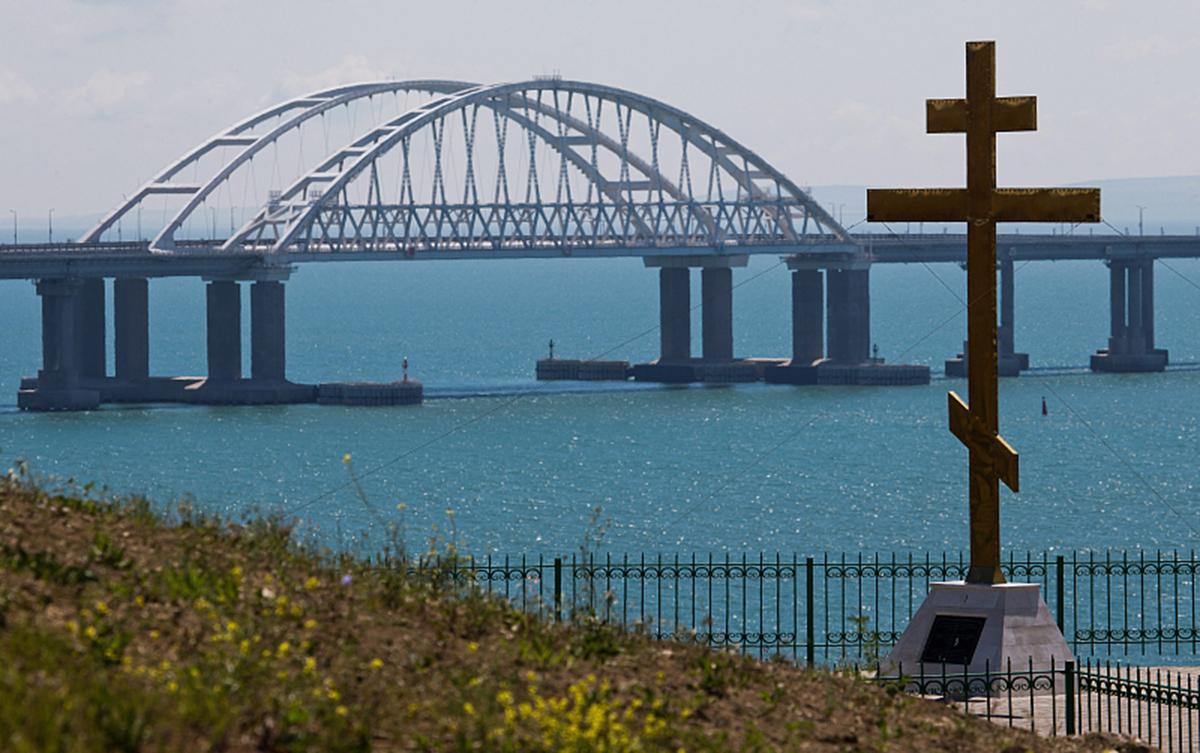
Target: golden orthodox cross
[(981, 115)]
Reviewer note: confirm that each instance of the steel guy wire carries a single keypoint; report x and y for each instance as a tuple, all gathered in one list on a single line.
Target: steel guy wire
[(1133, 469)]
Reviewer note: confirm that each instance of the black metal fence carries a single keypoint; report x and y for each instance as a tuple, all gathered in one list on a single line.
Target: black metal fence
[(839, 609), (1158, 706)]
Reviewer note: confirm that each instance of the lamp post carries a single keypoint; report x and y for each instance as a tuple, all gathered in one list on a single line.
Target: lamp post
[(1141, 211), (14, 214), (50, 225)]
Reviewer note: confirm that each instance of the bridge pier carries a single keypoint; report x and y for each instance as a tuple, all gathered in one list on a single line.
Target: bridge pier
[(808, 314), (831, 328), (1131, 321), (90, 328), (267, 336), (675, 314), (1009, 363), (716, 314), (223, 307), (716, 363), (58, 383), (131, 324)]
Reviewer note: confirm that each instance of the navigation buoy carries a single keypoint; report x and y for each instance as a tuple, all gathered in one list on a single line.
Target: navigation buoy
[(1044, 412)]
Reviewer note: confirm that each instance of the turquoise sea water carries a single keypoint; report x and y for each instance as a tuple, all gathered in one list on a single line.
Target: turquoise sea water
[(740, 468)]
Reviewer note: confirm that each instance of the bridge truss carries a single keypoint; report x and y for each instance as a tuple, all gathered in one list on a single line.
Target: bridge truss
[(542, 167)]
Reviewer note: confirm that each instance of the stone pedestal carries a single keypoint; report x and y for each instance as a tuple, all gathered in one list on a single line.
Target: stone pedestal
[(979, 628)]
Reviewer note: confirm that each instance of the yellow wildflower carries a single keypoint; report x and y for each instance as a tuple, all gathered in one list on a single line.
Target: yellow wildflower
[(341, 711), (333, 695), (172, 686), (469, 708), (472, 646), (90, 632), (283, 649), (101, 607), (310, 664), (138, 600), (312, 582), (310, 623), (377, 664), (73, 626)]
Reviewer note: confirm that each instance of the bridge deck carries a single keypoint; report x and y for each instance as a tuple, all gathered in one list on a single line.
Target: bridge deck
[(199, 259)]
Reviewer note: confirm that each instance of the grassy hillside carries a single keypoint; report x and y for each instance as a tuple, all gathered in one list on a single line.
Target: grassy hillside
[(122, 630)]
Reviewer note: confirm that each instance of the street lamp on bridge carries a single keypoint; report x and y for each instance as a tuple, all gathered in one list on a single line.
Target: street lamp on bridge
[(50, 225)]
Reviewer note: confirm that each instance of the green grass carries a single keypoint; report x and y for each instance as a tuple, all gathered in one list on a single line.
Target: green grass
[(126, 630)]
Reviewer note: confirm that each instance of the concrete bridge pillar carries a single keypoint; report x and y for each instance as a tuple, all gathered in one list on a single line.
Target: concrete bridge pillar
[(1135, 338), (224, 315), (57, 386), (1116, 303), (716, 315), (808, 316), (1131, 337), (267, 335), (1009, 363), (1148, 304), (131, 322), (848, 314), (675, 313), (60, 341), (90, 328)]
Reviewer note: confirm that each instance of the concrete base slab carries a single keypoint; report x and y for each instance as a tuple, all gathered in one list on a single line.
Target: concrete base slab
[(411, 392), (738, 370), (791, 372), (555, 369), (1153, 360), (729, 372), (249, 392), (1009, 622), (194, 390), (1006, 366), (680, 372), (874, 373), (75, 399)]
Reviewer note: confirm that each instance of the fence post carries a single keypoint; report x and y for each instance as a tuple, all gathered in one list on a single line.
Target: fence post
[(558, 589), (1069, 681), (809, 613), (1060, 590)]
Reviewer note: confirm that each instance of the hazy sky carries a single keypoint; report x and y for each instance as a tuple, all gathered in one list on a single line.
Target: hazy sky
[(98, 94)]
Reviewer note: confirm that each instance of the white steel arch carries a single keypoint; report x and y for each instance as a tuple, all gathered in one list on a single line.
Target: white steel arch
[(357, 156), (310, 105)]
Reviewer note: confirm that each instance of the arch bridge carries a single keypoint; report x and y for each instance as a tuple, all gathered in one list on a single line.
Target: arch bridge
[(542, 167), (545, 168)]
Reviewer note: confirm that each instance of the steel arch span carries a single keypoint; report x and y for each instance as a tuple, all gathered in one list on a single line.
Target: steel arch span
[(544, 167)]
